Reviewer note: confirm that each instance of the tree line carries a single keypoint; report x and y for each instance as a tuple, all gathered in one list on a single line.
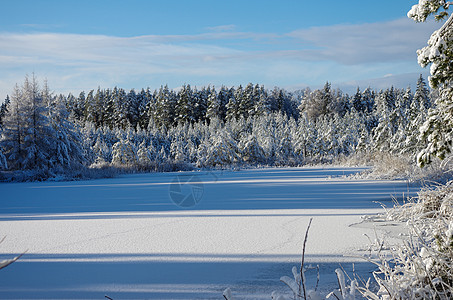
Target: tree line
[(166, 129)]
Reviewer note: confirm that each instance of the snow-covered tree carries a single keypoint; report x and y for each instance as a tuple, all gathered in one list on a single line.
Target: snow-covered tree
[(177, 150), (184, 105), (13, 131), (438, 129), (102, 150), (251, 150), (26, 137), (124, 153), (165, 112), (65, 140), (421, 95), (145, 153), (261, 105), (417, 113), (233, 104), (357, 102), (247, 101), (214, 109), (223, 151), (4, 110)]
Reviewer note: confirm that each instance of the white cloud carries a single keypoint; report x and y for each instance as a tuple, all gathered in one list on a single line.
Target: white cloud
[(230, 27), (339, 53), (365, 43)]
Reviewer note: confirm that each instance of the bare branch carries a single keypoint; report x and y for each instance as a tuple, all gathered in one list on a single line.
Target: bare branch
[(303, 258)]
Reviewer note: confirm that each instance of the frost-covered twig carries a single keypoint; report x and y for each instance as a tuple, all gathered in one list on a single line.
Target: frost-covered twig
[(227, 294), (7, 262), (302, 260), (421, 266)]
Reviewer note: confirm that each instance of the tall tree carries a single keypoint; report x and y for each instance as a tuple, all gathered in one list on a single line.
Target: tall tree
[(64, 140), (184, 105), (4, 110), (438, 129), (37, 128), (13, 130), (214, 109)]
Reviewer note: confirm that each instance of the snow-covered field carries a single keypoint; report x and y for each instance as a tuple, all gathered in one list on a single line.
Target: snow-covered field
[(126, 238)]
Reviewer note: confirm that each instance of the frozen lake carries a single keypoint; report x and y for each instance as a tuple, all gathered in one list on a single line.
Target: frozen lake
[(183, 235)]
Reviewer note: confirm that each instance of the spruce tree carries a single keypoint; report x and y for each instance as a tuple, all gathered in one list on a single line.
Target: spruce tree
[(4, 110), (14, 131), (438, 129), (214, 109), (184, 105)]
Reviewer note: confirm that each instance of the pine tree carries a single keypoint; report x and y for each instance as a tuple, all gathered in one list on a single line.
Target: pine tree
[(120, 108), (247, 102), (400, 116), (214, 109), (285, 149), (438, 129), (200, 104), (422, 94), (134, 107), (144, 155), (233, 106), (109, 110), (99, 107), (165, 112), (357, 102), (78, 109), (102, 151), (223, 151), (184, 106), (37, 131), (37, 138), (124, 153), (368, 100), (383, 133), (4, 110), (13, 134), (65, 148), (177, 150), (223, 96), (146, 98), (251, 151)]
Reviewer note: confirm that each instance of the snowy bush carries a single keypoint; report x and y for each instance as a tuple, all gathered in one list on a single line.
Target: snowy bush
[(421, 266), (124, 153), (251, 151), (223, 152)]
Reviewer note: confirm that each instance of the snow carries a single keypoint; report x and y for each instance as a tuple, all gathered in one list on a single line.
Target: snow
[(125, 237)]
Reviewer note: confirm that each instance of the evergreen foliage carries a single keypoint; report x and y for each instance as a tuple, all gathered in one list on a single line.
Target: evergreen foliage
[(205, 127), (437, 131)]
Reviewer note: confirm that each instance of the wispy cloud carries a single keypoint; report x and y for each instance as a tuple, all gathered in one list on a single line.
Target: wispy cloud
[(364, 43), (222, 55), (230, 27)]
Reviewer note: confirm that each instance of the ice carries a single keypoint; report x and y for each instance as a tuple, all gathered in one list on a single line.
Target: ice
[(125, 237)]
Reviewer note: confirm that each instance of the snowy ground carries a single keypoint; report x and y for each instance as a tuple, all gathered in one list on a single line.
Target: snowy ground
[(126, 237)]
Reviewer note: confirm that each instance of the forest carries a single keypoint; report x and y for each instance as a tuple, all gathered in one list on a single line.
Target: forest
[(45, 135)]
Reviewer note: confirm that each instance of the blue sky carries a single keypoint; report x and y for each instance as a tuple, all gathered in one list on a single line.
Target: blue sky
[(80, 45)]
